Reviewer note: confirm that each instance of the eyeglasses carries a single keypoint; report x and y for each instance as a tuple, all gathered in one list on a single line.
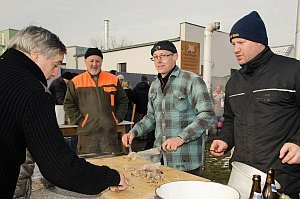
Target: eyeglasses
[(162, 57)]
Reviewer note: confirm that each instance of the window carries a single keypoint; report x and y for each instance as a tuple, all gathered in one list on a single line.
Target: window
[(122, 67)]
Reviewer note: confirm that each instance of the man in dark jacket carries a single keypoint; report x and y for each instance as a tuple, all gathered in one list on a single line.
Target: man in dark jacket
[(262, 107), (58, 87), (28, 119), (140, 92)]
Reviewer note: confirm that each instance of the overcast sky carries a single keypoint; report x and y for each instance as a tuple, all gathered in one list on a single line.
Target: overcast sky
[(76, 22)]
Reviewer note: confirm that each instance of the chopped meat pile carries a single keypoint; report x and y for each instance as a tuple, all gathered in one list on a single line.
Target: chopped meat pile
[(151, 172)]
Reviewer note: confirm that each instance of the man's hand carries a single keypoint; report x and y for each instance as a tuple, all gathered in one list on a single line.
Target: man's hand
[(290, 153), (172, 144), (127, 138), (122, 185), (218, 147)]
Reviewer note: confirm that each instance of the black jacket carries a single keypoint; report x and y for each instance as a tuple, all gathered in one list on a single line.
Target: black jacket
[(262, 112), (129, 94), (28, 120), (141, 97), (58, 88)]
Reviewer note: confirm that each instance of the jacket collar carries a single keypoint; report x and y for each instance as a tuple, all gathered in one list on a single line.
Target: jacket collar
[(173, 72), (21, 60), (164, 80), (257, 61)]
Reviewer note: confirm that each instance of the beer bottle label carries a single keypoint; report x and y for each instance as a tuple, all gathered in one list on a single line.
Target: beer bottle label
[(273, 187), (257, 195)]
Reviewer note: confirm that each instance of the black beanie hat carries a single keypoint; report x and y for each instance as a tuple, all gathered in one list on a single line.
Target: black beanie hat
[(164, 45), (67, 75), (250, 27), (144, 78), (93, 51)]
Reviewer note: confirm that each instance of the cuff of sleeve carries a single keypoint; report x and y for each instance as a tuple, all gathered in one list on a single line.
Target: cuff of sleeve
[(294, 141), (115, 177), (134, 131), (180, 136)]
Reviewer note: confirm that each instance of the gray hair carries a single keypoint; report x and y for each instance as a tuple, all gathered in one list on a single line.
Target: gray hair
[(33, 37)]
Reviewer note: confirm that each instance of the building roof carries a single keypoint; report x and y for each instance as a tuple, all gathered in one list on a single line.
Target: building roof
[(7, 29), (284, 50)]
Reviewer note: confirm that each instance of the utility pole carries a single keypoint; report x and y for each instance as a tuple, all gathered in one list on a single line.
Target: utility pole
[(106, 34), (207, 53)]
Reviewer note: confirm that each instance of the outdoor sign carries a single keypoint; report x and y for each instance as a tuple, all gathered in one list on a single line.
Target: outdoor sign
[(190, 56)]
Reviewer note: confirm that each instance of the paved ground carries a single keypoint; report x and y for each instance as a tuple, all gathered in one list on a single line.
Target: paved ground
[(216, 169)]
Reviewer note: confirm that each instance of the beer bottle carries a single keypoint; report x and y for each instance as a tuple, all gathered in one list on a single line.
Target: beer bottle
[(269, 190), (256, 189)]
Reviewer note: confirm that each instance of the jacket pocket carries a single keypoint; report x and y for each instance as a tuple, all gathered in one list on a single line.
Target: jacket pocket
[(115, 118), (85, 120), (109, 89), (180, 101), (153, 97)]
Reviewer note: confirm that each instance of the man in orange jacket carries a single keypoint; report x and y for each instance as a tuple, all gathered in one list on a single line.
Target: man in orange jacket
[(96, 101)]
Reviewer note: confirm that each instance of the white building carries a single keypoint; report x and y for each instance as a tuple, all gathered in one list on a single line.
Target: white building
[(136, 58), (285, 50), (74, 57)]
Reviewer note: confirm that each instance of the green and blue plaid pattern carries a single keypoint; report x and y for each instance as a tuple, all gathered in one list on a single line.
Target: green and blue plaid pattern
[(183, 109)]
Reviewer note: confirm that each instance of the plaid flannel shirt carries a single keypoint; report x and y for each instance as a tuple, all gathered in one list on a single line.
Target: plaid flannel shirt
[(183, 109)]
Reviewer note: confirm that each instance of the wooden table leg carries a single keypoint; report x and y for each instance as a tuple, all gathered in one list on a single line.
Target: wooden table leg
[(121, 128), (69, 131)]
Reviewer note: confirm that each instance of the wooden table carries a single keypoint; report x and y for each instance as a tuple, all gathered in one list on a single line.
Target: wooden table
[(138, 187), (68, 130)]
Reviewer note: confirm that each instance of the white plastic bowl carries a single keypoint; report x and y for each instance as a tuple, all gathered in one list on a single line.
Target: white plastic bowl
[(195, 190), (241, 178)]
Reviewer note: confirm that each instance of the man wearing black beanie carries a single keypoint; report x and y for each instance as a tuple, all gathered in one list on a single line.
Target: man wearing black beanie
[(96, 101), (262, 107)]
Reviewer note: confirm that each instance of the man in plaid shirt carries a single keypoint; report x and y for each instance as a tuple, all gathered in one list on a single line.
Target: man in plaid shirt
[(179, 110)]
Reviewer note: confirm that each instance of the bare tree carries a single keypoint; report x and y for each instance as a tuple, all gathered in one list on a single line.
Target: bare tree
[(123, 42), (98, 42)]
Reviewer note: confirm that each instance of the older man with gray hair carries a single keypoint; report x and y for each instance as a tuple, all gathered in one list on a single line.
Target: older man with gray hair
[(28, 119)]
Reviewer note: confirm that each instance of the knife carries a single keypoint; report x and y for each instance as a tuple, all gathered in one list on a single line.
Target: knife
[(129, 148), (98, 155), (149, 152)]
